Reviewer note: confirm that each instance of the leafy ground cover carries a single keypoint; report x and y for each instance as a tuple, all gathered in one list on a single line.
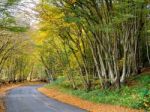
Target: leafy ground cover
[(135, 95)]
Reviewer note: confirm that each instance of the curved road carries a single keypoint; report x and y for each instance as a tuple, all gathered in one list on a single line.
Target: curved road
[(28, 99)]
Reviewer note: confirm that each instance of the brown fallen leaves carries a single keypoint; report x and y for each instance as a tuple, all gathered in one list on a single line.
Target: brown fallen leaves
[(91, 107)]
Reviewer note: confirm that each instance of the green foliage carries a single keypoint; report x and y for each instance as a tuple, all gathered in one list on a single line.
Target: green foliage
[(72, 19), (7, 20), (12, 2), (97, 40), (137, 96), (144, 99), (17, 29)]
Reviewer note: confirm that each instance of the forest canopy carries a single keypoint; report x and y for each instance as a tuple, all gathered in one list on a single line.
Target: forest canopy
[(95, 42), (90, 43)]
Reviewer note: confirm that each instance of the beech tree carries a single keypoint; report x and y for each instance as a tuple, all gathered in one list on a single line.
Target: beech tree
[(104, 36)]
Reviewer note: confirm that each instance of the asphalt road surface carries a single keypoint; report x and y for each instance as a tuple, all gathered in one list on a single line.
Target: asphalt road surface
[(28, 99)]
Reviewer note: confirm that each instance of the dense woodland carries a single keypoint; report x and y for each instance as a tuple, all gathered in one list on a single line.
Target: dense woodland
[(95, 42), (88, 43)]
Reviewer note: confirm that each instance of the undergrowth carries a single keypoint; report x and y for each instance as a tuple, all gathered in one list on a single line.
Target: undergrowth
[(135, 96)]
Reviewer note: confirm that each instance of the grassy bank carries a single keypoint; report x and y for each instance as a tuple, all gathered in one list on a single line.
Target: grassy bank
[(135, 95)]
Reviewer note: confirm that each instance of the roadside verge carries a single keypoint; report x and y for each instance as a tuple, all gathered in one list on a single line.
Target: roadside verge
[(91, 107)]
